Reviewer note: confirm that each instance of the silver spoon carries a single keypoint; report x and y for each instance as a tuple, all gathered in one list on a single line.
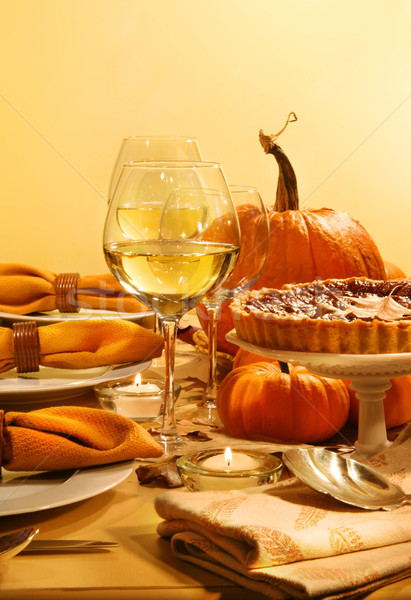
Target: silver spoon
[(13, 543), (344, 478)]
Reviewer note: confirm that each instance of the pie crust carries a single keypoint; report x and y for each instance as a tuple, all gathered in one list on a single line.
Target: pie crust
[(342, 316)]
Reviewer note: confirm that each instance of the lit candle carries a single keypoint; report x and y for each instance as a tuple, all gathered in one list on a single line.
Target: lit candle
[(137, 399), (219, 469), (229, 461), (139, 388)]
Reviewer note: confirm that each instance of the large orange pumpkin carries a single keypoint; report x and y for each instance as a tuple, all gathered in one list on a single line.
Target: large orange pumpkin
[(259, 401), (307, 244), (397, 403), (393, 271)]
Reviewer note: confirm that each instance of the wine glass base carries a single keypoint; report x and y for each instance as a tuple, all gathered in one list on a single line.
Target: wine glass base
[(201, 413), (208, 414), (171, 448), (175, 446)]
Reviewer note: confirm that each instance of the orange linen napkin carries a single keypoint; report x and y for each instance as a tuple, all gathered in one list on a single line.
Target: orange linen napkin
[(292, 542), (25, 289), (71, 437), (86, 344)]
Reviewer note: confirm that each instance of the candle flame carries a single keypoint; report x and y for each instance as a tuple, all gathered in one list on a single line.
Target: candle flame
[(228, 456), (137, 380)]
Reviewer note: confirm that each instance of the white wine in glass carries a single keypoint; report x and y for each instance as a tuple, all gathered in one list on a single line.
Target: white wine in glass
[(184, 258)]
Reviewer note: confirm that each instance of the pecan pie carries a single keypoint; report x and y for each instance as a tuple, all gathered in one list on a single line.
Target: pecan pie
[(344, 316)]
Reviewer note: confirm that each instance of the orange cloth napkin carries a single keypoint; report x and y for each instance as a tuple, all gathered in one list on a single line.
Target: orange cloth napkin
[(86, 344), (71, 437), (25, 289), (289, 541)]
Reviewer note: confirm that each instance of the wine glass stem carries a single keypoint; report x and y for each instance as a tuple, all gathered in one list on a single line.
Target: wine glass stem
[(157, 326), (211, 389), (169, 433)]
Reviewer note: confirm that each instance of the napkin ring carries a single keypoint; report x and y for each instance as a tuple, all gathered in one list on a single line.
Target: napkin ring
[(26, 347), (65, 287)]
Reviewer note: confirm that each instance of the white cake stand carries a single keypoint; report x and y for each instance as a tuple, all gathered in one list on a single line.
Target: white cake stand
[(369, 374)]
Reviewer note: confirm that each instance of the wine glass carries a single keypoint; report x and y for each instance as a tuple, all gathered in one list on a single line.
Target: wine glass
[(153, 148), (190, 248), (137, 147), (254, 227)]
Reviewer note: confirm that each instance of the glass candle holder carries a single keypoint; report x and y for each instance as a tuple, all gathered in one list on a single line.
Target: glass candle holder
[(209, 470), (142, 401)]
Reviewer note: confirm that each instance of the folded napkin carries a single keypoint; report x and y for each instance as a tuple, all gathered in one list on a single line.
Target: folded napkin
[(71, 437), (86, 344), (292, 542), (25, 289)]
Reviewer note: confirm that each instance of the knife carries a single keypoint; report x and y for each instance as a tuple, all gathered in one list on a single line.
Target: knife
[(67, 546)]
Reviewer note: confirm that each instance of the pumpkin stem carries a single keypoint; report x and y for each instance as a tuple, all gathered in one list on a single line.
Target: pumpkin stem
[(287, 191), (284, 367)]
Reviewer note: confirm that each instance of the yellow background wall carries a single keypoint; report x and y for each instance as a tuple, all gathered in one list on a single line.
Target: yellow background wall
[(76, 76)]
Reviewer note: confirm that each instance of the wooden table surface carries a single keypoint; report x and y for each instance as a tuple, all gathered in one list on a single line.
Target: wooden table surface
[(142, 567)]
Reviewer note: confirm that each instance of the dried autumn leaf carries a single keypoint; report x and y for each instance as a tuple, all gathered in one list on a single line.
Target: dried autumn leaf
[(164, 473)]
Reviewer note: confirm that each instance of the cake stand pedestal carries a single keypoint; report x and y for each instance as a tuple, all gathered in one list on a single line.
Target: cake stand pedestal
[(369, 374)]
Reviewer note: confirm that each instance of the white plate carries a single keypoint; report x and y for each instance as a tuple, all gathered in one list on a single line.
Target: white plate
[(48, 318), (48, 383), (31, 492), (337, 365)]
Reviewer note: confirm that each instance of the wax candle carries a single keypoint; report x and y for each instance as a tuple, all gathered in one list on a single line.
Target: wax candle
[(138, 399), (138, 408), (139, 387), (231, 461), (219, 469)]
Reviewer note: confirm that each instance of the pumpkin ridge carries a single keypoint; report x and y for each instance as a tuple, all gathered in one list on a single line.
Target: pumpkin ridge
[(369, 259), (308, 222)]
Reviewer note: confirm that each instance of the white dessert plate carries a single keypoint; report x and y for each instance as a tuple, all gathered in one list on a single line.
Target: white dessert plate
[(55, 384), (54, 316), (30, 492), (338, 365)]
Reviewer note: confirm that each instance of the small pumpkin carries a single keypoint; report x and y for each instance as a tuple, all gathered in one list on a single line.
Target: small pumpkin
[(397, 403), (244, 357), (307, 244), (259, 401), (393, 271)]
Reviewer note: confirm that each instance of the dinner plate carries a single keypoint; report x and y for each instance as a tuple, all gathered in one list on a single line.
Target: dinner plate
[(55, 384), (54, 316), (31, 492)]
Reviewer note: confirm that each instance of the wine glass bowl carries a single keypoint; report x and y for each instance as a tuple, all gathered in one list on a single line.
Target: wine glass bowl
[(188, 249), (140, 224), (253, 222), (148, 148)]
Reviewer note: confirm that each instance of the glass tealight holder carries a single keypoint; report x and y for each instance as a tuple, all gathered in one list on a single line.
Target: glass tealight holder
[(139, 402), (207, 470)]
